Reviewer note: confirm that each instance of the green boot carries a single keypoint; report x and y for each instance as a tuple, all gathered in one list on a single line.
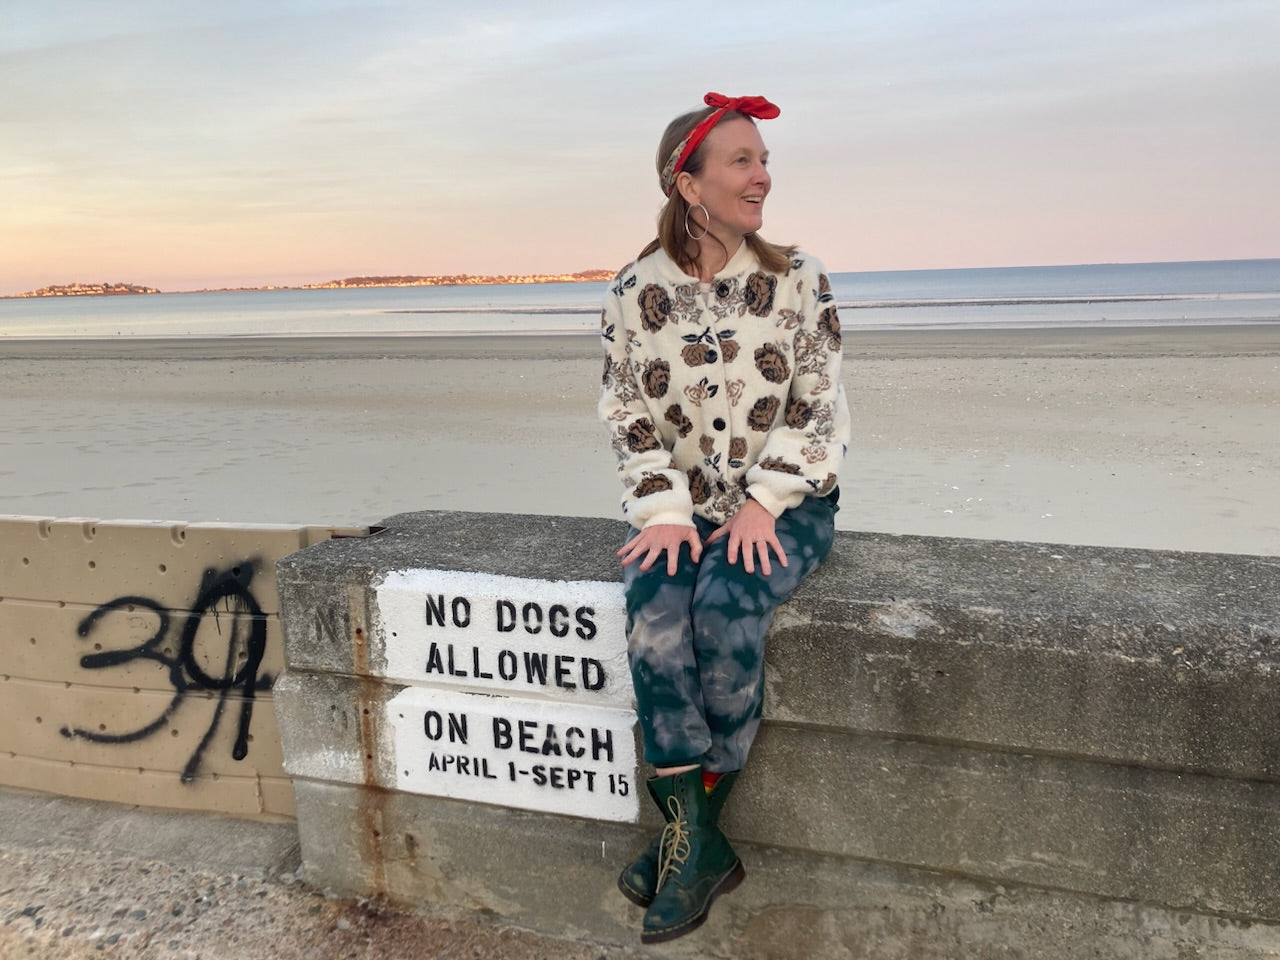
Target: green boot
[(696, 863), (639, 879)]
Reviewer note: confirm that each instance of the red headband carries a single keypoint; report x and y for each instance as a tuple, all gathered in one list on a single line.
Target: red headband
[(757, 107)]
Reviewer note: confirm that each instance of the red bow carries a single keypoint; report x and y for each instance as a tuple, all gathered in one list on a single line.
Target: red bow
[(757, 107)]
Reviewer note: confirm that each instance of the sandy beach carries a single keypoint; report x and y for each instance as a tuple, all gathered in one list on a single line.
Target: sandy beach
[(1144, 437)]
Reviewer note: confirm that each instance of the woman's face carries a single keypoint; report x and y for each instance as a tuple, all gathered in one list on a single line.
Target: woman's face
[(733, 181)]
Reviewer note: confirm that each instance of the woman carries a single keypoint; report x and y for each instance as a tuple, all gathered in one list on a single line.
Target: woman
[(722, 395)]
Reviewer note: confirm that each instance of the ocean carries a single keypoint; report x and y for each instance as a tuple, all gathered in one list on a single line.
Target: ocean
[(1095, 295)]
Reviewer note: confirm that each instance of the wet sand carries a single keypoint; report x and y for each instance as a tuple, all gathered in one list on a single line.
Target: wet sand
[(1148, 437)]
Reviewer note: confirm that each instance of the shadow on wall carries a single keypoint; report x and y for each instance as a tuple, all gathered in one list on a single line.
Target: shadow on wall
[(137, 660)]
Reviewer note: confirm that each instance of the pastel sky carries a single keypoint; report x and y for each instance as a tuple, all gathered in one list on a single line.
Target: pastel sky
[(186, 145)]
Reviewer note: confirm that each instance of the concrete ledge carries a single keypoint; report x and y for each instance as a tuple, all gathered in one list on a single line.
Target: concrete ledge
[(1155, 658), (1061, 721), (1159, 658), (1186, 841)]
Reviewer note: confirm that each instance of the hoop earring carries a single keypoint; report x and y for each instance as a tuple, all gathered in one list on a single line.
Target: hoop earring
[(689, 210)]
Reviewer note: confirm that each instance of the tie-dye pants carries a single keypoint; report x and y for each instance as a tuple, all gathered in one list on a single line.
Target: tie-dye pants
[(695, 640)]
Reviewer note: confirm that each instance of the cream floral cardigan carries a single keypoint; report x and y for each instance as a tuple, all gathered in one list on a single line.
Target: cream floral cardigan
[(713, 395)]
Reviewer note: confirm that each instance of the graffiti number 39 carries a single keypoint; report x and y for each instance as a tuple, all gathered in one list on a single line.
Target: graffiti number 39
[(220, 592)]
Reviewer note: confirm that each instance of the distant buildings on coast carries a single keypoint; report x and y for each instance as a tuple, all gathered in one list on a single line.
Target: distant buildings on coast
[(89, 290), (463, 280), (450, 280)]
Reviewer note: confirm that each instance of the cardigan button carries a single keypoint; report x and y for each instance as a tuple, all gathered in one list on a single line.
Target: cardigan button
[(718, 423)]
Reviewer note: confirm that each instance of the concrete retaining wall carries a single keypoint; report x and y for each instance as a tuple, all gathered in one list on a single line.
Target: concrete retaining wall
[(137, 660), (1029, 724)]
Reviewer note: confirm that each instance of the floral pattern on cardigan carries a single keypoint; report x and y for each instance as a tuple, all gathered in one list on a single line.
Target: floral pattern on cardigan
[(714, 396)]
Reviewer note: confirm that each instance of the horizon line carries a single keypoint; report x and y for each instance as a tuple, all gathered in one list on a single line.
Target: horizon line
[(515, 279)]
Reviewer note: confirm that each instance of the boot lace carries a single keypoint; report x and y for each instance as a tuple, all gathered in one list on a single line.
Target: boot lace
[(675, 843)]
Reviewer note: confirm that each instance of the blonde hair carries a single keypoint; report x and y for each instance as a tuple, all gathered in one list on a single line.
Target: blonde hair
[(672, 236)]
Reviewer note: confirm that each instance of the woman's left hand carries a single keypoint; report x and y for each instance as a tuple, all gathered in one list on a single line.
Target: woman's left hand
[(751, 531)]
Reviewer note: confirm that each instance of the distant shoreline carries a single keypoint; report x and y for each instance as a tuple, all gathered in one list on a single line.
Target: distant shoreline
[(58, 291)]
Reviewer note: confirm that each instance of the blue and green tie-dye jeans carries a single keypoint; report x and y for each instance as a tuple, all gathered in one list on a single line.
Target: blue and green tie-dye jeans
[(696, 640)]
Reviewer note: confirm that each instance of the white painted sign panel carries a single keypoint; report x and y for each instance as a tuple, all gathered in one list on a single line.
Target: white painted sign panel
[(560, 639), (533, 754)]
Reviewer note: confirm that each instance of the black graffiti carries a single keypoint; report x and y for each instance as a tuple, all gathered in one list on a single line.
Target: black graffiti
[(225, 591)]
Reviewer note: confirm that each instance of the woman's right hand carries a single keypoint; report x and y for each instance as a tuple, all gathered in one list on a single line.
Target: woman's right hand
[(653, 540)]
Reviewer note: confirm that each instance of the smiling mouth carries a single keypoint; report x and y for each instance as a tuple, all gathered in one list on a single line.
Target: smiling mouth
[(754, 199)]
